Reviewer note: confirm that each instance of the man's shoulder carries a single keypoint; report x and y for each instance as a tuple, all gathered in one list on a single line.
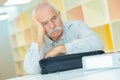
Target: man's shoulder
[(69, 24), (72, 22)]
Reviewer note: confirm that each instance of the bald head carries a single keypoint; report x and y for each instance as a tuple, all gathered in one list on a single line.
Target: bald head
[(46, 4), (50, 18), (43, 5)]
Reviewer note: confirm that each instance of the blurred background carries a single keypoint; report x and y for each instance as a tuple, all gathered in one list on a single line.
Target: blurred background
[(16, 29)]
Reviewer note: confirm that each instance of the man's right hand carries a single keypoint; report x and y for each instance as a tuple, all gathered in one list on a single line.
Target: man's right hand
[(40, 32)]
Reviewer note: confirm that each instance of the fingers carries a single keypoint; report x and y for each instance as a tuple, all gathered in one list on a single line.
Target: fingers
[(36, 24), (49, 55), (46, 56), (52, 53), (56, 51)]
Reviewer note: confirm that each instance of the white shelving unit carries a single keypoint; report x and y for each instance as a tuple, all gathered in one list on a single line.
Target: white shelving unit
[(69, 4), (95, 12), (116, 35)]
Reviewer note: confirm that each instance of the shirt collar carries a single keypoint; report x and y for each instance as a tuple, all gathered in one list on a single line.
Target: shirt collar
[(48, 39)]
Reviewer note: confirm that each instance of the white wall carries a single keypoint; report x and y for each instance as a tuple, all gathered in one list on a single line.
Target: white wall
[(7, 68)]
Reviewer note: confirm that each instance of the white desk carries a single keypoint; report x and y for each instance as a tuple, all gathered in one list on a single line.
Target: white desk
[(109, 74)]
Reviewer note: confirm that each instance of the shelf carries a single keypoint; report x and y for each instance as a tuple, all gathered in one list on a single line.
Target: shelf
[(105, 34), (22, 52), (114, 9), (63, 16), (20, 39), (75, 14), (58, 4), (28, 36), (16, 55), (14, 40), (33, 33), (116, 35), (19, 68), (25, 20), (18, 24), (27, 47), (30, 15), (95, 12), (69, 4), (85, 1)]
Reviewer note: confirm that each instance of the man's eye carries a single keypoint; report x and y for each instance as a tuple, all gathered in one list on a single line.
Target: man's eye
[(45, 23), (54, 18)]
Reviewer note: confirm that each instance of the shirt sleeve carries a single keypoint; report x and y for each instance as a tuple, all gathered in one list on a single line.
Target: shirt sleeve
[(32, 57), (87, 41)]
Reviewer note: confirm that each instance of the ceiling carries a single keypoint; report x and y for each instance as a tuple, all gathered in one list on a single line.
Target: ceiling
[(2, 8), (16, 10)]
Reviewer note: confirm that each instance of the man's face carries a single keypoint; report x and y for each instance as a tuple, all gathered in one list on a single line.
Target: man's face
[(51, 21)]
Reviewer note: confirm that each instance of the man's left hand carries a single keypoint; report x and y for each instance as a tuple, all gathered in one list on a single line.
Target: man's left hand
[(56, 51)]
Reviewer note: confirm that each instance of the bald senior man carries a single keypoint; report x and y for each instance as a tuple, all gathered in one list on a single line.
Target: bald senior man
[(54, 37)]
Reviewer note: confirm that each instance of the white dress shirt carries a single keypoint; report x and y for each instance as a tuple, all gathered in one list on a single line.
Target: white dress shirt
[(77, 37)]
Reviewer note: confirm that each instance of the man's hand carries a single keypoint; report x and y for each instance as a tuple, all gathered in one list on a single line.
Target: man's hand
[(56, 51), (40, 32)]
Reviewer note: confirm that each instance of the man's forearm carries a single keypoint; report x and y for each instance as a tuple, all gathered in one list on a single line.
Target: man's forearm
[(61, 49)]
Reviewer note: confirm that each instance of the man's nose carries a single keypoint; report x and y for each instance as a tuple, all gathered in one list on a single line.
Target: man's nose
[(52, 25)]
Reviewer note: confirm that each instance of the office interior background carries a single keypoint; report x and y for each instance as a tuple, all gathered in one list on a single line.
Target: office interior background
[(17, 33)]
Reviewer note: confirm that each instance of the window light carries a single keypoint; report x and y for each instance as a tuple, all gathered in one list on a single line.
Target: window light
[(4, 16), (14, 2)]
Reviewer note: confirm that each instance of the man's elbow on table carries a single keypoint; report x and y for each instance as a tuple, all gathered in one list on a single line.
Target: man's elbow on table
[(31, 69)]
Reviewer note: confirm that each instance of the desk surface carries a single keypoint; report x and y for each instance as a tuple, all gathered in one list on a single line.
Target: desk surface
[(78, 74)]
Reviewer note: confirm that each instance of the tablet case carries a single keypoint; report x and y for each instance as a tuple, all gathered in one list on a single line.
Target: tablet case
[(64, 62)]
